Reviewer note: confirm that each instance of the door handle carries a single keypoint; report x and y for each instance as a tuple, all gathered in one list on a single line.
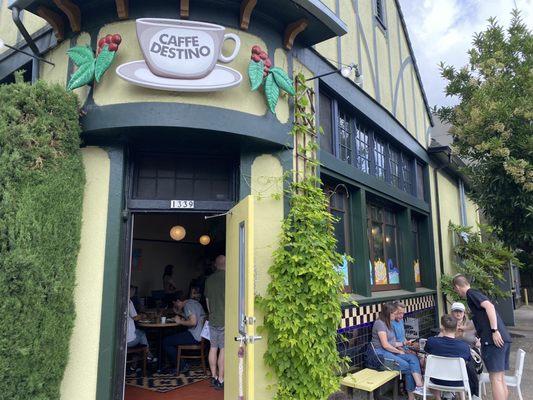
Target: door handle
[(245, 339)]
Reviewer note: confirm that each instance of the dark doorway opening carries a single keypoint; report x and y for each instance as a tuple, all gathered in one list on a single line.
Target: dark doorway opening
[(153, 247)]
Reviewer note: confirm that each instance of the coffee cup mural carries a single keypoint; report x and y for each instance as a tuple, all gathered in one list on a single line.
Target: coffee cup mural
[(183, 49)]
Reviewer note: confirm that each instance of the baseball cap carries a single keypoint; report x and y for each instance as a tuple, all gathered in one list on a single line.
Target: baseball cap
[(458, 307)]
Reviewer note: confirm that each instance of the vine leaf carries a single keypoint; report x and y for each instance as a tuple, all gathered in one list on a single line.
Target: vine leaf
[(81, 55), (255, 73), (282, 80), (271, 92), (103, 62), (83, 76)]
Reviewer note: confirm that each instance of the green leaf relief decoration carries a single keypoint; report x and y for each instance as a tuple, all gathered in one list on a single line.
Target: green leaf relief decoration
[(103, 62), (255, 73), (271, 93), (83, 76), (81, 55), (282, 80)]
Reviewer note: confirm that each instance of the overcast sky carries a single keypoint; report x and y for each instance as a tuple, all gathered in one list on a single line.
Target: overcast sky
[(441, 30)]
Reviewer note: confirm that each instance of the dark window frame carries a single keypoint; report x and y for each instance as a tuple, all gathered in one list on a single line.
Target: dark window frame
[(379, 14), (415, 231), (331, 190), (383, 225), (357, 123)]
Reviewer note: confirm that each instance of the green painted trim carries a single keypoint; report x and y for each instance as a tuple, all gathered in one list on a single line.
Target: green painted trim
[(124, 117), (380, 297), (360, 272), (351, 175), (405, 248), (112, 272), (427, 256)]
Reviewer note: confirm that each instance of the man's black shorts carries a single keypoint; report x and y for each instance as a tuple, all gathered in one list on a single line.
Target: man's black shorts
[(496, 359)]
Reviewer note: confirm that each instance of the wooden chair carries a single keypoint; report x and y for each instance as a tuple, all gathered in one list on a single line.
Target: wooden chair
[(188, 349), (143, 351)]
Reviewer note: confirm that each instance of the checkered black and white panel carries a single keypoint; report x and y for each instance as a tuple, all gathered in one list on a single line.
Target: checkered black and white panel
[(355, 316)]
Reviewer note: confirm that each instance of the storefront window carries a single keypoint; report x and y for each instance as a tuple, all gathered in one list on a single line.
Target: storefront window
[(379, 159), (338, 207), (326, 139), (383, 246), (416, 240), (362, 146), (345, 137), (419, 181), (394, 160), (407, 171)]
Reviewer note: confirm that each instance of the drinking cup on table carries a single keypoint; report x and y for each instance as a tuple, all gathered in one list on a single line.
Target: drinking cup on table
[(163, 320)]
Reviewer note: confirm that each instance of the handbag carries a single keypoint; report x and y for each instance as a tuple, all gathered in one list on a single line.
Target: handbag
[(378, 362), (205, 331)]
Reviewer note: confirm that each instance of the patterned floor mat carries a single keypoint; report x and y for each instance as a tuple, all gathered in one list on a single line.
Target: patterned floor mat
[(162, 383)]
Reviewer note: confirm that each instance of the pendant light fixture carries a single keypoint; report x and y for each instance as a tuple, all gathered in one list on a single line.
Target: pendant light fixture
[(204, 240), (177, 232)]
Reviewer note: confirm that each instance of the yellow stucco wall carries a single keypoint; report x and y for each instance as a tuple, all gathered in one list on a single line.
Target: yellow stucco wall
[(267, 180), (380, 55), (472, 213), (450, 211), (79, 381)]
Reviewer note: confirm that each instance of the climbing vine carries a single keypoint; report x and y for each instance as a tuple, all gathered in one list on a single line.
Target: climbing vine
[(41, 193), (303, 301)]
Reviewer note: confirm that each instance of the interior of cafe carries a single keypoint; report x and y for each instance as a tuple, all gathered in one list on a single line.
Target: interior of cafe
[(171, 256)]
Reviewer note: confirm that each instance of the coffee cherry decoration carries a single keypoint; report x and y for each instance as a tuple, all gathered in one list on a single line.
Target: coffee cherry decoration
[(112, 41), (259, 55)]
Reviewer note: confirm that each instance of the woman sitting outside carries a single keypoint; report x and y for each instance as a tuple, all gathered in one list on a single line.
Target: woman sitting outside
[(465, 328), (384, 341)]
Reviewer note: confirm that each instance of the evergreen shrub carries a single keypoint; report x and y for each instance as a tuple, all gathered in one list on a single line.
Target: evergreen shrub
[(41, 193)]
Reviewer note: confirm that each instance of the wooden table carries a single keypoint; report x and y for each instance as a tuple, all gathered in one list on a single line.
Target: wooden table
[(370, 380), (159, 327)]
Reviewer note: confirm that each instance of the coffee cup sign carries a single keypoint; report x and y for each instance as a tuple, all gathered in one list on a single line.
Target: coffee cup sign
[(183, 49)]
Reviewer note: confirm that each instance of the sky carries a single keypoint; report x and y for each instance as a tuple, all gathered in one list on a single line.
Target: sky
[(442, 30)]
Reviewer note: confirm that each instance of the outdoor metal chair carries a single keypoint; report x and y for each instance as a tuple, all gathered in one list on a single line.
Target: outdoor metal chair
[(446, 369)]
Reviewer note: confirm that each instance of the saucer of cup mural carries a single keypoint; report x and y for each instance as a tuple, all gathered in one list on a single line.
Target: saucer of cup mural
[(138, 73)]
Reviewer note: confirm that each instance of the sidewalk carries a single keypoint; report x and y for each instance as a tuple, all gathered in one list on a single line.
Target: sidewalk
[(522, 334)]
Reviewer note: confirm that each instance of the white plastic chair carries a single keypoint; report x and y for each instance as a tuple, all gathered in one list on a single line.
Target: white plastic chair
[(510, 380), (446, 369)]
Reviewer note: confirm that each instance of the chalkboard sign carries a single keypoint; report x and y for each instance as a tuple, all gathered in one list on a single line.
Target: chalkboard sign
[(412, 328)]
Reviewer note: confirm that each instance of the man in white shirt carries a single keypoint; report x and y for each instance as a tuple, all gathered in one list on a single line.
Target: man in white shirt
[(134, 336)]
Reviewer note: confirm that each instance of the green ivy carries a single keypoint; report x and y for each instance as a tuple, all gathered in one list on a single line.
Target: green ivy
[(303, 301), (482, 259), (41, 192)]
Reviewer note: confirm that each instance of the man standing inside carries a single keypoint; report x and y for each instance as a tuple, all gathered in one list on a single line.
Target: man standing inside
[(215, 293), (495, 340)]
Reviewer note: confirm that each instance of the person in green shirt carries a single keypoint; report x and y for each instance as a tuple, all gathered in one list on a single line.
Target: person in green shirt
[(215, 293)]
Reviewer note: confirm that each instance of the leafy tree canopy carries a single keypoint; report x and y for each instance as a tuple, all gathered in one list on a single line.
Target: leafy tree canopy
[(492, 127)]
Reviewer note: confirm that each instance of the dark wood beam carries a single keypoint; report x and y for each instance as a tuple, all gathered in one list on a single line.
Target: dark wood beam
[(123, 9), (55, 20), (247, 6), (184, 9), (72, 11), (293, 30)]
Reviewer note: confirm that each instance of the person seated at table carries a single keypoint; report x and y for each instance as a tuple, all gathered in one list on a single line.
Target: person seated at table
[(446, 345), (384, 342), (398, 325), (466, 330), (134, 336), (193, 319)]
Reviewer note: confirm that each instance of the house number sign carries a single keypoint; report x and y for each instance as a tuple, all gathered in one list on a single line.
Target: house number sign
[(181, 203)]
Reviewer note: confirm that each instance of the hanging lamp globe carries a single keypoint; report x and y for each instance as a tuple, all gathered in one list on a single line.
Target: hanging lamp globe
[(177, 232), (205, 240)]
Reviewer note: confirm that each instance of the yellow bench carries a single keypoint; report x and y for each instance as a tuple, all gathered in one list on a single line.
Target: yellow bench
[(369, 380)]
